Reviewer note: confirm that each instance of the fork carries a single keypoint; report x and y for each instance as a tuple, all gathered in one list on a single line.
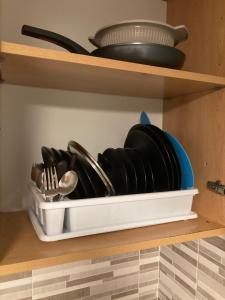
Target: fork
[(50, 182)]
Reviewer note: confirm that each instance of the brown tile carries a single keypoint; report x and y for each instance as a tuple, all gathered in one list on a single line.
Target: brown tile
[(148, 296), (127, 293), (192, 245), (62, 268), (89, 279), (100, 259), (50, 281), (185, 285), (216, 288), (123, 260), (27, 298), (185, 272), (184, 255), (148, 276), (212, 274), (97, 297), (148, 283), (125, 271), (199, 296), (51, 289), (124, 255), (98, 269), (149, 267), (156, 249), (15, 276), (118, 277), (162, 296), (217, 242), (15, 289), (175, 297), (209, 253), (149, 255), (212, 260), (166, 258), (119, 282), (110, 292), (166, 270), (222, 272), (69, 295), (205, 294)]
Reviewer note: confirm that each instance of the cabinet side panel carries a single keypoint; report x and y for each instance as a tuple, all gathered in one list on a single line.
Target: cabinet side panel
[(198, 120), (205, 21)]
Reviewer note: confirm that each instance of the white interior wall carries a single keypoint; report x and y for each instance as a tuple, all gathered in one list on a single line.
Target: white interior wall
[(32, 117)]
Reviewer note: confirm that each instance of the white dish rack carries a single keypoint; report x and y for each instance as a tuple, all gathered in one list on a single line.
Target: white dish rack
[(73, 218)]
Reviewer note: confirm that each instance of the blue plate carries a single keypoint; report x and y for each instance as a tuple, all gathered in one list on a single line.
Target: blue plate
[(187, 174), (144, 119)]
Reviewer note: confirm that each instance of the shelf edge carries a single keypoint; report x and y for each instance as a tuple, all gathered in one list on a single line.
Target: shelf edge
[(43, 53), (108, 251)]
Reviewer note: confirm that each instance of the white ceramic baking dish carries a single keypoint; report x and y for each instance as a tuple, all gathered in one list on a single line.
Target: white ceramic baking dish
[(139, 31)]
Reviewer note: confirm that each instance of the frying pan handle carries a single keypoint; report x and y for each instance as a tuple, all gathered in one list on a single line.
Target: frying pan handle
[(54, 38)]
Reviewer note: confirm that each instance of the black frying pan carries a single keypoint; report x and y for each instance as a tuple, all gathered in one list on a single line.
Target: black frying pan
[(148, 54)]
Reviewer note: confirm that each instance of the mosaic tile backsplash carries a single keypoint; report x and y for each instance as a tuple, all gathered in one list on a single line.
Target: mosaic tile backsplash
[(191, 270)]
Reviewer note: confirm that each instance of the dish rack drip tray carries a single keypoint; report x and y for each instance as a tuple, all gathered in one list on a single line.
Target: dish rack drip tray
[(60, 220)]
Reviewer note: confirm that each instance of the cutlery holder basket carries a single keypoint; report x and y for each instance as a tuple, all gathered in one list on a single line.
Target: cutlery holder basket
[(72, 218)]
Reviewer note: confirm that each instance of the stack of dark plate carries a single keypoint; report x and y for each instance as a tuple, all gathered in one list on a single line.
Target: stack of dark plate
[(147, 163)]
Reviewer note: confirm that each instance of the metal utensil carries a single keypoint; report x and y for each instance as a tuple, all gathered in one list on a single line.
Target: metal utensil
[(52, 187), (50, 183), (36, 174), (36, 170), (67, 183)]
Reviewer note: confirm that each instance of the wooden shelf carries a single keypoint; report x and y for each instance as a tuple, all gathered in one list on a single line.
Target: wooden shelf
[(21, 250), (25, 65)]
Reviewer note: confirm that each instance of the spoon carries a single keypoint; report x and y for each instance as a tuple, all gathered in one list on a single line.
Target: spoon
[(68, 183)]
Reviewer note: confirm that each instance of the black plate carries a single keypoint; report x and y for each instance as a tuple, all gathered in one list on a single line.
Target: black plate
[(172, 157), (172, 154), (66, 155), (84, 178), (115, 170), (147, 147), (96, 182), (61, 168), (79, 192), (57, 155), (48, 156), (151, 187), (167, 152), (130, 171), (93, 192), (139, 169)]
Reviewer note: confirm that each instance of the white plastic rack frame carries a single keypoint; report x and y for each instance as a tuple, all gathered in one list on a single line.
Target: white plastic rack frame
[(73, 218)]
